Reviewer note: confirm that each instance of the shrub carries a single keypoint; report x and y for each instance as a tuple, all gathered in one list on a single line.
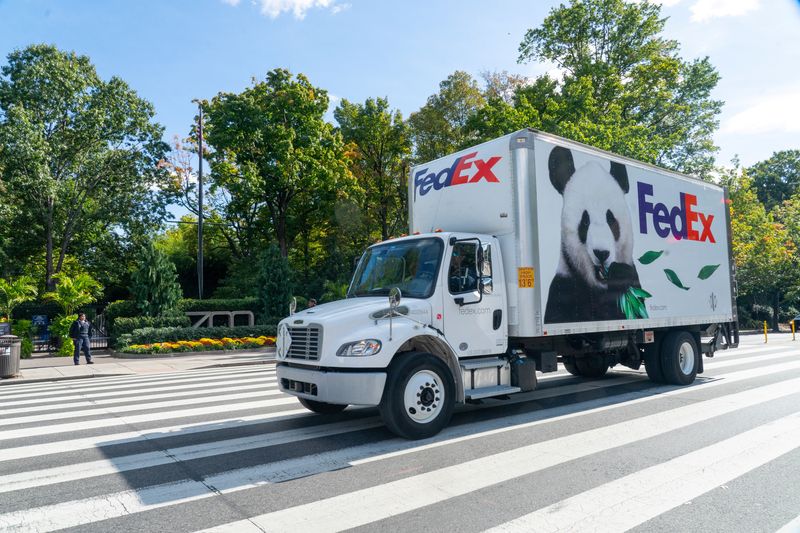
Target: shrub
[(124, 325), (120, 308), (154, 283), (22, 329), (154, 335), (60, 327)]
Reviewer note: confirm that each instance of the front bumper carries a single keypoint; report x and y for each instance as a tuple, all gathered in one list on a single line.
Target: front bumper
[(351, 388)]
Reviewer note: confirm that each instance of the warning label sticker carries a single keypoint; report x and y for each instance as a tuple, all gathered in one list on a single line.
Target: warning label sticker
[(525, 278)]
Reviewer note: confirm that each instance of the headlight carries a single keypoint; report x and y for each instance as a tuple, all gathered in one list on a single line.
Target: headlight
[(360, 348)]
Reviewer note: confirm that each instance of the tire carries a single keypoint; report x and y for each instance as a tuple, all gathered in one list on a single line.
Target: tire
[(419, 397), (569, 364), (322, 408), (652, 362), (680, 358), (592, 366)]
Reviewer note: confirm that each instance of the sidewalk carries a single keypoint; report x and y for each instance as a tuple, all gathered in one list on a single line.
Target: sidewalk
[(47, 368)]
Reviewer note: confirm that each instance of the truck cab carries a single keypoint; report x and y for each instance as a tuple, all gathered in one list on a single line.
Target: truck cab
[(416, 309)]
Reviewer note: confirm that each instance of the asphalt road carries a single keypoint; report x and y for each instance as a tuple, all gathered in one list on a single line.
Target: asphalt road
[(223, 449)]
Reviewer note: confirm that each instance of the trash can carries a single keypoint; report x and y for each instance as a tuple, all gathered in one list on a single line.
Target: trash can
[(9, 356)]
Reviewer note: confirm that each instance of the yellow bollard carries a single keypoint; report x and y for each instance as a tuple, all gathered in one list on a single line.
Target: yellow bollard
[(765, 332), (793, 326)]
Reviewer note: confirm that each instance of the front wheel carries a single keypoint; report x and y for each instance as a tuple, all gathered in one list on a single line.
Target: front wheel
[(322, 408), (680, 358), (419, 397)]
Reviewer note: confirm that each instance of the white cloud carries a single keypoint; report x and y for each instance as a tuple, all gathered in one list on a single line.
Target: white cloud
[(703, 10), (777, 112), (338, 8)]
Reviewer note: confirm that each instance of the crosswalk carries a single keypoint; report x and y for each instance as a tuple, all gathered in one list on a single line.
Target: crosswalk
[(224, 450)]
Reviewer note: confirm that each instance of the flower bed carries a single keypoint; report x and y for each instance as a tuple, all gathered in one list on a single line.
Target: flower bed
[(201, 345)]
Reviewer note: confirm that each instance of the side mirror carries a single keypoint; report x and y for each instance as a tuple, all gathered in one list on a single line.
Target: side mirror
[(292, 306), (479, 257), (394, 297)]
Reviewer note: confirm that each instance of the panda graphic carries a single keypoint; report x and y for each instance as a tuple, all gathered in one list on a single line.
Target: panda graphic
[(596, 264)]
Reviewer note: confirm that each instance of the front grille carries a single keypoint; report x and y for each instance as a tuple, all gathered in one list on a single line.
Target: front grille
[(306, 342)]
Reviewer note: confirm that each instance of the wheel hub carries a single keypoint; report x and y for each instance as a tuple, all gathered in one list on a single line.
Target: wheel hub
[(423, 396)]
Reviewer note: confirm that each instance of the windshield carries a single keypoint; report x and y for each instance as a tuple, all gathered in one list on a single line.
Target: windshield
[(410, 265)]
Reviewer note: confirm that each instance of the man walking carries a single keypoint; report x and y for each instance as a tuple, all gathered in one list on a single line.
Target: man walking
[(79, 332)]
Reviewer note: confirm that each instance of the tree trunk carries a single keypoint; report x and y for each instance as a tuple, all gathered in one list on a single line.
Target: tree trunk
[(49, 283), (776, 306)]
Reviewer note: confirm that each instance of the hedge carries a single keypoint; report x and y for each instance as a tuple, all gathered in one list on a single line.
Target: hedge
[(124, 324), (120, 308), (152, 335)]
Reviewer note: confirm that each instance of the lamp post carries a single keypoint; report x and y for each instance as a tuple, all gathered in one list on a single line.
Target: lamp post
[(200, 203)]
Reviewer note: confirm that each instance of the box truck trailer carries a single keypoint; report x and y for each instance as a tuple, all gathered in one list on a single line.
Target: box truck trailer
[(523, 252)]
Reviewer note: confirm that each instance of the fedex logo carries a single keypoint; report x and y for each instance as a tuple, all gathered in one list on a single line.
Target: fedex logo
[(682, 220), (456, 174)]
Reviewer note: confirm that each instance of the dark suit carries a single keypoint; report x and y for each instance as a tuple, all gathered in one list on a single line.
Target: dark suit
[(80, 333)]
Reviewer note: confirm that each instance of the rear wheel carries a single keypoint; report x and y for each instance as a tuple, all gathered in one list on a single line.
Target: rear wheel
[(569, 364), (322, 408), (419, 397), (592, 367), (680, 358)]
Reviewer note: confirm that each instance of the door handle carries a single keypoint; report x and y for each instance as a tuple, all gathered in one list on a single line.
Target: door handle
[(497, 318)]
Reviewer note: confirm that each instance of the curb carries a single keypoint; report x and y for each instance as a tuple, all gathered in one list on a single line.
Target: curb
[(23, 381), (170, 355)]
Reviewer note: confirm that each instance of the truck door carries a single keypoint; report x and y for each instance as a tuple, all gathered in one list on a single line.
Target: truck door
[(474, 320)]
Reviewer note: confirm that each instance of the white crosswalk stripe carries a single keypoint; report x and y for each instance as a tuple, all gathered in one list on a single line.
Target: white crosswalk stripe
[(154, 445)]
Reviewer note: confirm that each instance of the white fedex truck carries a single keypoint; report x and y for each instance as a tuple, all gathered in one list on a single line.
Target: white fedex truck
[(523, 252)]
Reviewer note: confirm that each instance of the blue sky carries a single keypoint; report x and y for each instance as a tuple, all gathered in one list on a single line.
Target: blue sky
[(172, 51)]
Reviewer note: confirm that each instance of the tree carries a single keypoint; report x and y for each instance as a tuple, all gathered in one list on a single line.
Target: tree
[(440, 126), (80, 154), (777, 178), (274, 283), (623, 87), (765, 255), (382, 145), (280, 164), (155, 285), (15, 292)]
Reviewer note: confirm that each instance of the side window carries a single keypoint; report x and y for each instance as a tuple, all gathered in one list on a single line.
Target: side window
[(463, 272)]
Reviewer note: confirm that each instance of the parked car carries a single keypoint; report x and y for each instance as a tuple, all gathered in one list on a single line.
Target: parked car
[(796, 321)]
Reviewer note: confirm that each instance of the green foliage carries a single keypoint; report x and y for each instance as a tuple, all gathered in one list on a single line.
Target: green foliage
[(280, 163), (151, 335), (382, 145), (125, 325), (73, 292), (155, 287), (120, 308), (440, 126), (275, 283), (623, 88), (777, 178), (15, 292), (60, 328), (22, 329), (334, 291), (80, 155)]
